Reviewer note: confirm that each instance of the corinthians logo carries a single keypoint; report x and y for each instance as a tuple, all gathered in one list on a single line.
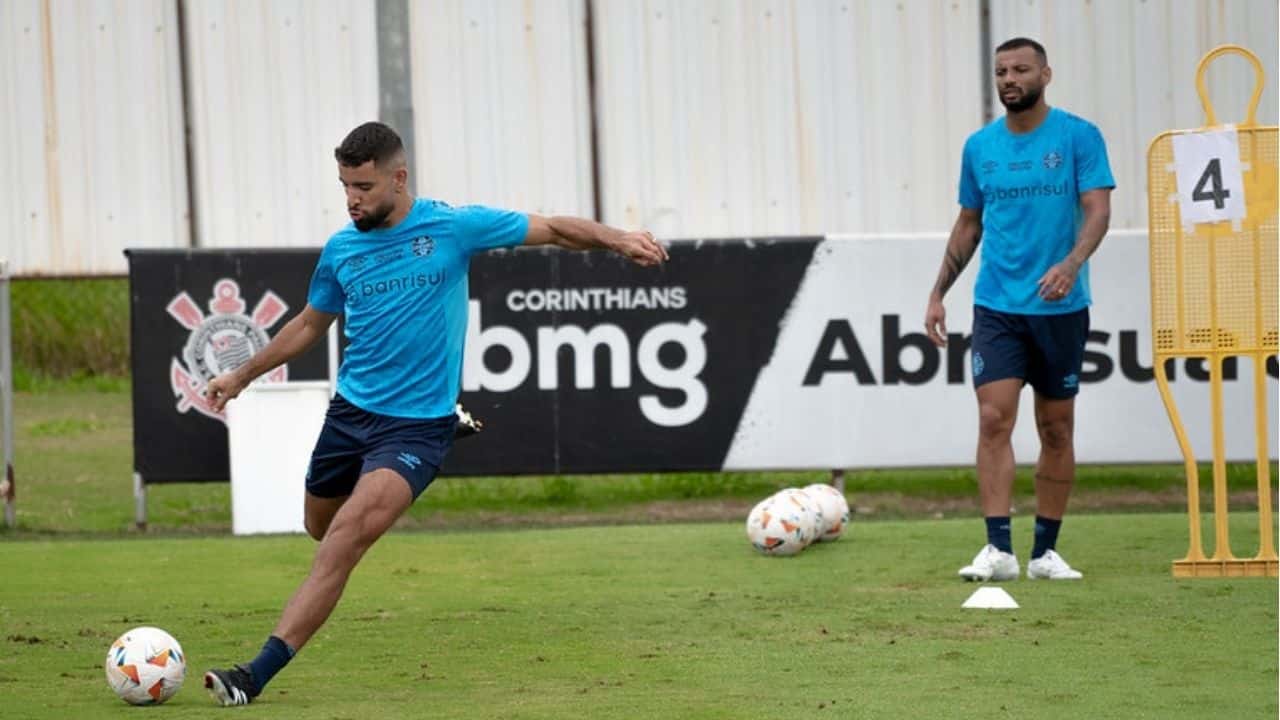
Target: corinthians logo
[(219, 342)]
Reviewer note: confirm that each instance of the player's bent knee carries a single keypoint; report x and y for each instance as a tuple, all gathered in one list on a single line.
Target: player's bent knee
[(994, 421), (1056, 435), (316, 528)]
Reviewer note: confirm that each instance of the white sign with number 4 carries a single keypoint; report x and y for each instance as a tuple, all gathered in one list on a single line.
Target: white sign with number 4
[(1210, 186)]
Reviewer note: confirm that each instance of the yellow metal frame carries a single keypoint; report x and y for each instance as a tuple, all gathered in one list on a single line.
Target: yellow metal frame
[(1198, 312)]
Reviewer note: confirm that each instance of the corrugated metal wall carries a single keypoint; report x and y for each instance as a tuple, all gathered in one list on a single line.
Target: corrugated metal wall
[(757, 117), (501, 107), (715, 118), (1130, 68), (273, 88), (91, 132)]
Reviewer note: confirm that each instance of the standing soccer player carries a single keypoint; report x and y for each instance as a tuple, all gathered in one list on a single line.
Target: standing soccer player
[(1035, 188), (398, 272)]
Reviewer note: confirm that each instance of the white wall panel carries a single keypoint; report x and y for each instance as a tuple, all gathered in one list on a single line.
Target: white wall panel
[(500, 102), (91, 133), (755, 117), (1129, 67), (274, 87)]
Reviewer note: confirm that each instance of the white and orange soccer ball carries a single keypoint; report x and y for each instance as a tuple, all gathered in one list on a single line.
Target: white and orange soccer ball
[(779, 526), (145, 666), (811, 511), (835, 511)]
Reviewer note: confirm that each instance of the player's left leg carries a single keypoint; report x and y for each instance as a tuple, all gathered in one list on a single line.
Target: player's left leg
[(1056, 467), (1055, 375), (318, 513)]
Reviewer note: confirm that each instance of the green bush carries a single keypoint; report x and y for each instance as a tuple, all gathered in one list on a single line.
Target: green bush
[(70, 329)]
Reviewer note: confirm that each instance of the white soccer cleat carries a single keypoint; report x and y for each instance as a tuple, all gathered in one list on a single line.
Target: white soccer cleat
[(991, 564), (1051, 566)]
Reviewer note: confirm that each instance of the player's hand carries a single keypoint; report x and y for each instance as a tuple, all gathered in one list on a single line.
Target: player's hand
[(223, 388), (1057, 283), (639, 247), (935, 322)]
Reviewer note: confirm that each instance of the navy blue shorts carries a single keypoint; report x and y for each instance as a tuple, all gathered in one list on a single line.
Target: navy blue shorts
[(1045, 351), (354, 442)]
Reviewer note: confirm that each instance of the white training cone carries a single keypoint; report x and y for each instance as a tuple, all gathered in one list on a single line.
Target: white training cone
[(990, 598)]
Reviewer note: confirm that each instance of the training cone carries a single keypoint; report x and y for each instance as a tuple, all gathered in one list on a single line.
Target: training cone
[(990, 598)]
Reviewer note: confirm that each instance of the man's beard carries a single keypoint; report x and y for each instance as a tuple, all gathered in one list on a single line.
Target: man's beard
[(371, 220), (1025, 101)]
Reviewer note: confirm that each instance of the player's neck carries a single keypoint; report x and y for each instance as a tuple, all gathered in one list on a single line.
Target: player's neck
[(1028, 120), (403, 205)]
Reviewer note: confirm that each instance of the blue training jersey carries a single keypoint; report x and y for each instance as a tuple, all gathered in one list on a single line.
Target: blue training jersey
[(1028, 188), (403, 291)]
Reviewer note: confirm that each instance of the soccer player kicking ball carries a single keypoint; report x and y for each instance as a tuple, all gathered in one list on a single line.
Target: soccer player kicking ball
[(1035, 188), (398, 272)]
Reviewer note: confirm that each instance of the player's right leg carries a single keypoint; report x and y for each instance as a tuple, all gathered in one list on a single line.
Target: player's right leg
[(999, 363), (380, 498), (997, 410), (332, 474)]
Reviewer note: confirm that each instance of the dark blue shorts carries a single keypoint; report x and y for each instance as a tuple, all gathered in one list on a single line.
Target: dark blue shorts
[(1045, 351), (354, 442)]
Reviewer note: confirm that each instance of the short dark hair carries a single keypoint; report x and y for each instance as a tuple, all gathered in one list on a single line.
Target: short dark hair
[(371, 141), (1021, 42)]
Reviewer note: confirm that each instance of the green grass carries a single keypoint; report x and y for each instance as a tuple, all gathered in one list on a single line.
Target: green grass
[(674, 621), (70, 329), (74, 465)]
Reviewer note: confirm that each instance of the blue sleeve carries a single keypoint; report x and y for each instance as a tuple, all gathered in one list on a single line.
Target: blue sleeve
[(325, 294), (970, 192), (1092, 169), (481, 228)]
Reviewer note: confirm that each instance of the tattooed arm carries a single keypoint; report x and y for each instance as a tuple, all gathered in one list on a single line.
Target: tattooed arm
[(965, 235)]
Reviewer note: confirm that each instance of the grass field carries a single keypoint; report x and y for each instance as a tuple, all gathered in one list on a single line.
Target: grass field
[(479, 608), (674, 621)]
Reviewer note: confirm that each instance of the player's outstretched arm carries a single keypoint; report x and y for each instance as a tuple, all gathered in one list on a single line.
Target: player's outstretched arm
[(965, 235), (574, 233), (294, 338)]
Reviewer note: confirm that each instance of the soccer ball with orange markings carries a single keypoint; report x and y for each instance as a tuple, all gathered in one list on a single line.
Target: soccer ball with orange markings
[(145, 666), (835, 511), (779, 526), (810, 510)]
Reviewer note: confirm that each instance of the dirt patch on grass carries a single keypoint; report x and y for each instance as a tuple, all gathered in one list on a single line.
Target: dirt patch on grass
[(864, 506)]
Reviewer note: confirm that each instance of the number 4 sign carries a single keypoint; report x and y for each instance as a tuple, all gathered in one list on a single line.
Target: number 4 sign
[(1210, 186)]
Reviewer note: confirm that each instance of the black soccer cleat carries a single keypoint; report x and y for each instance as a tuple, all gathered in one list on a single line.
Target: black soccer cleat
[(231, 687)]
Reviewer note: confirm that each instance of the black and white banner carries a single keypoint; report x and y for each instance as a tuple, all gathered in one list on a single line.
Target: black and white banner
[(583, 362), (738, 354), (854, 382)]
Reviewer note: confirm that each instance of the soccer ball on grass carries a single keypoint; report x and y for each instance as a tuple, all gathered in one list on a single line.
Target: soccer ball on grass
[(145, 666)]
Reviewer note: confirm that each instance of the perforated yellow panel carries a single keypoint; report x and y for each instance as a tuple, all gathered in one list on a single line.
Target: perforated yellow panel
[(1214, 288)]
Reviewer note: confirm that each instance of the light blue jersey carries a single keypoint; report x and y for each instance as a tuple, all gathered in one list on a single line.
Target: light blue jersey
[(1028, 188), (403, 291)]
